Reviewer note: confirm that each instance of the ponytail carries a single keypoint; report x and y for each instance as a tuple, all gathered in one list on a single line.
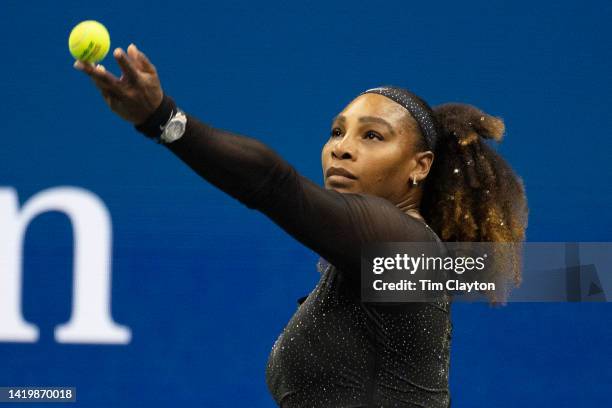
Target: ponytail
[(471, 193)]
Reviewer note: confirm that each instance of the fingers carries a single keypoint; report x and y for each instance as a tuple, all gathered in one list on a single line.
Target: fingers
[(99, 75), (133, 56), (127, 66), (142, 58), (97, 72)]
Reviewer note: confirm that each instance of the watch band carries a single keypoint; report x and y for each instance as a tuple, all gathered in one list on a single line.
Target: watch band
[(155, 124)]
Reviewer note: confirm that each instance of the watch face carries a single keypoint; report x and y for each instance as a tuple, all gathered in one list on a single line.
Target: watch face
[(174, 130)]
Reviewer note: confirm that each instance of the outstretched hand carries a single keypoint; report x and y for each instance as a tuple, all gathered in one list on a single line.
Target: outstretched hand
[(137, 93)]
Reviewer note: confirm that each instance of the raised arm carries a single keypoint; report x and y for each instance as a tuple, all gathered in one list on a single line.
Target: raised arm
[(332, 224)]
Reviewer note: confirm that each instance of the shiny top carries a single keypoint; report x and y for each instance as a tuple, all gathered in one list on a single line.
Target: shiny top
[(338, 352)]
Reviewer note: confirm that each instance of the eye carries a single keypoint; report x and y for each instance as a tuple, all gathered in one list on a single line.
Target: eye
[(372, 135), (335, 132)]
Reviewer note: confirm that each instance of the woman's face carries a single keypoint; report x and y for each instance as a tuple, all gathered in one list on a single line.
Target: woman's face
[(374, 140)]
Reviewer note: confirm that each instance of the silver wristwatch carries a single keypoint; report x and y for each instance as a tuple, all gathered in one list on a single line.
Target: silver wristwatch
[(174, 128)]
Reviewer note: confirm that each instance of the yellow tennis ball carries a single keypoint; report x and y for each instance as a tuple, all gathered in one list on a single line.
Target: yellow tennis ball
[(89, 41)]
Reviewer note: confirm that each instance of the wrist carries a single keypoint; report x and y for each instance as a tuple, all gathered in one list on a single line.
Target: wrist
[(153, 126)]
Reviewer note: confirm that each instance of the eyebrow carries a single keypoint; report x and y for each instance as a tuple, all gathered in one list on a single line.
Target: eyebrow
[(366, 119)]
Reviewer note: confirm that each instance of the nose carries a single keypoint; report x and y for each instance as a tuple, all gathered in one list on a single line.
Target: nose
[(343, 149)]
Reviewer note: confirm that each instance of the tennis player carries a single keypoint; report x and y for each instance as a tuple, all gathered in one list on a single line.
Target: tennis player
[(394, 170)]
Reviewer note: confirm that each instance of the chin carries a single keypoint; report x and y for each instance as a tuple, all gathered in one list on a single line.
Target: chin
[(339, 188)]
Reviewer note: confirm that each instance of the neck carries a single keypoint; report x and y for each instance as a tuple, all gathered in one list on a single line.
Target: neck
[(410, 205)]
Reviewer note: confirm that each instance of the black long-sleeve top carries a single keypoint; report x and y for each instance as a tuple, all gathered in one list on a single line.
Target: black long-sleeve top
[(335, 351)]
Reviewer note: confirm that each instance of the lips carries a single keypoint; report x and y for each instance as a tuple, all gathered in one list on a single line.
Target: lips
[(339, 171)]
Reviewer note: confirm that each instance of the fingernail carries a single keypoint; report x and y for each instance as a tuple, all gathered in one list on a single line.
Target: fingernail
[(78, 65), (100, 68), (117, 52)]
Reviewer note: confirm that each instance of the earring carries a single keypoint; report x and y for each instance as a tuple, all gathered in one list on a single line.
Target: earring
[(414, 181)]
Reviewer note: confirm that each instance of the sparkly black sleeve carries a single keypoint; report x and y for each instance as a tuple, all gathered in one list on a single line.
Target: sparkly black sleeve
[(330, 223)]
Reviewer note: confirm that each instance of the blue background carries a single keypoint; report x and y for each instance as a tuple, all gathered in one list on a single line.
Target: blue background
[(206, 284)]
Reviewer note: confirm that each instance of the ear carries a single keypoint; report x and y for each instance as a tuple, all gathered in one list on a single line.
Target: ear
[(423, 162)]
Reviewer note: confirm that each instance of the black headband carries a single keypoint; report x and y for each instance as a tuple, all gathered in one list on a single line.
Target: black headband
[(416, 109)]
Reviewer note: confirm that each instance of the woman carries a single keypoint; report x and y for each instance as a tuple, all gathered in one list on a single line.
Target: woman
[(381, 184)]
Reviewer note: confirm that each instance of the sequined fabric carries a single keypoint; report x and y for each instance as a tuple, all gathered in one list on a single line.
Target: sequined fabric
[(337, 352)]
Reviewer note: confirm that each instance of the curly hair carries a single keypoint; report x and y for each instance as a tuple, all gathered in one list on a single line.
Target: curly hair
[(471, 193)]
